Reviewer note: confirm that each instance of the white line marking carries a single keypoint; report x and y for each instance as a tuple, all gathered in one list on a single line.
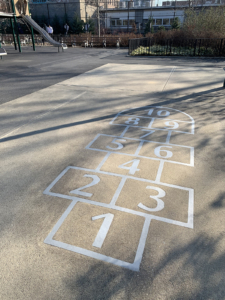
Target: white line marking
[(168, 136), (141, 140), (164, 107), (137, 261), (60, 221), (103, 161), (169, 77), (141, 246), (118, 191), (191, 209), (139, 148), (155, 128), (40, 116), (151, 123), (125, 130), (159, 173), (140, 156), (140, 145), (162, 119)]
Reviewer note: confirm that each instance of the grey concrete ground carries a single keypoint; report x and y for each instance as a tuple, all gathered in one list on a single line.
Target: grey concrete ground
[(52, 107)]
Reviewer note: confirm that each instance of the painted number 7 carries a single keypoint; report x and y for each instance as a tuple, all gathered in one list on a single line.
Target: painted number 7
[(160, 203)]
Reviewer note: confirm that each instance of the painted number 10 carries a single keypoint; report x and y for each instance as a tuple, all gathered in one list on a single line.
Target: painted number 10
[(160, 113)]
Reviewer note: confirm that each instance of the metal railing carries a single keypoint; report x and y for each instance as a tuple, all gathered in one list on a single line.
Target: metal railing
[(177, 47), (5, 6)]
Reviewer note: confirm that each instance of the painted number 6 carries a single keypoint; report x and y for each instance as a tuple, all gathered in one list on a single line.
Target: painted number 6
[(158, 152), (160, 203)]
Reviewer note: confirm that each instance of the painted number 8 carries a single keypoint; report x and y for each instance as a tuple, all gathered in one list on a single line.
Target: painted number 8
[(132, 121)]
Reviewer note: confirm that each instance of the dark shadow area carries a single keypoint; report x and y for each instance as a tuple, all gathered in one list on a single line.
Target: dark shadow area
[(192, 262), (160, 103), (219, 202)]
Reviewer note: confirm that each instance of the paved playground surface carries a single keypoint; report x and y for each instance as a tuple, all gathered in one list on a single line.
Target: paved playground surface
[(113, 185)]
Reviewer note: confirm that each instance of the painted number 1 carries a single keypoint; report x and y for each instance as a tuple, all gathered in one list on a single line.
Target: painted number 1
[(99, 240)]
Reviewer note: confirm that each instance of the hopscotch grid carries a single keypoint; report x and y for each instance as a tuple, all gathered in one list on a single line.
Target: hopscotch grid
[(112, 205), (112, 174), (132, 266), (117, 193), (127, 210), (141, 140), (155, 128), (164, 107), (146, 157), (139, 148), (162, 118)]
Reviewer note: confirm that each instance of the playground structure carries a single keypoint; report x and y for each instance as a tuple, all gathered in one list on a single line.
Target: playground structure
[(19, 9)]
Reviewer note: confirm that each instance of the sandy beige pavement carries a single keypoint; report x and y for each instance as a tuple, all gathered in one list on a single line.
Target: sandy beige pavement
[(130, 207)]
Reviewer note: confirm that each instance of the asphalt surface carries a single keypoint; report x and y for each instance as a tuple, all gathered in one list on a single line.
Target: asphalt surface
[(112, 176)]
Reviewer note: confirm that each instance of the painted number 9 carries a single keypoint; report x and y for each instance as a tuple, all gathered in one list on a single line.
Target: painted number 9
[(171, 125)]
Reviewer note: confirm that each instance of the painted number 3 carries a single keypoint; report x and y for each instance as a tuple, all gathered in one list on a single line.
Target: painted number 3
[(160, 203)]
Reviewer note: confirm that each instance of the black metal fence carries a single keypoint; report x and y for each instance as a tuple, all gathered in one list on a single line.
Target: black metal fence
[(177, 47)]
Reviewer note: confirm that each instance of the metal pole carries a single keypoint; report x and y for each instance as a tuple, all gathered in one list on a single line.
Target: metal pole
[(14, 38), (32, 35), (32, 32), (98, 19), (17, 31), (128, 21)]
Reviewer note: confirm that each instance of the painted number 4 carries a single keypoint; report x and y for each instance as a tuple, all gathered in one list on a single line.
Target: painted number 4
[(133, 168)]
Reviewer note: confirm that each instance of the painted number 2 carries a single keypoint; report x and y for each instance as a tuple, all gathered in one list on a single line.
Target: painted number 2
[(160, 203), (78, 191)]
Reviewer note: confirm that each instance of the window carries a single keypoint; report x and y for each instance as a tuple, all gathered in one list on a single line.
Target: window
[(171, 21), (113, 22), (131, 22), (119, 23), (166, 21), (158, 21), (125, 22)]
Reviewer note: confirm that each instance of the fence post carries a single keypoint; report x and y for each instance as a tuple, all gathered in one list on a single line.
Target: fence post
[(221, 47), (199, 47)]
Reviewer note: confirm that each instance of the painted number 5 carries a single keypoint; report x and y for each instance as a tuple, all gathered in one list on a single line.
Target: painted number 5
[(119, 145), (160, 203)]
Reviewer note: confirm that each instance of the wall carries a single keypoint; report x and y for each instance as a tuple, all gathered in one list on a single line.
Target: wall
[(159, 14), (50, 10)]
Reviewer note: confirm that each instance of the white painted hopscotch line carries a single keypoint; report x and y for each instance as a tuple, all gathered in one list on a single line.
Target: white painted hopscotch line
[(86, 190)]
